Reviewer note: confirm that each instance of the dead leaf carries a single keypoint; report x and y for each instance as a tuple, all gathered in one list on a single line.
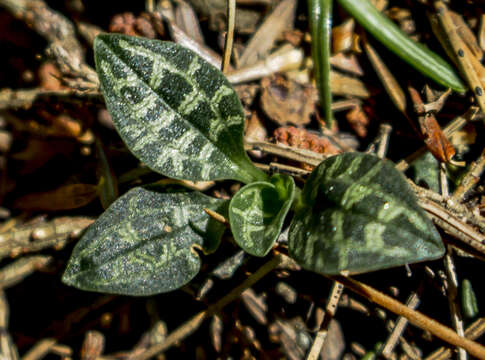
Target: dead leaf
[(255, 131), (186, 19), (66, 197), (466, 34), (464, 138), (348, 63), (404, 18), (285, 101), (342, 36), (283, 59), (348, 86), (430, 130), (38, 152), (294, 37), (273, 26)]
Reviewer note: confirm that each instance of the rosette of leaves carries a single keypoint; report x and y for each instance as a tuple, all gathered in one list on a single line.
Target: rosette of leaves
[(180, 116)]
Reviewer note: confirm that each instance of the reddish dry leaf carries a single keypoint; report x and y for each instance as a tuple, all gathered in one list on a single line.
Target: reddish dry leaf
[(66, 197), (285, 101), (430, 130), (303, 139)]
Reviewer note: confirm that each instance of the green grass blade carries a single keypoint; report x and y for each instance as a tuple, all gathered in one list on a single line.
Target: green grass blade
[(415, 54), (320, 15)]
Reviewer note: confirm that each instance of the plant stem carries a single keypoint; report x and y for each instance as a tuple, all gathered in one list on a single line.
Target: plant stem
[(320, 14), (231, 22)]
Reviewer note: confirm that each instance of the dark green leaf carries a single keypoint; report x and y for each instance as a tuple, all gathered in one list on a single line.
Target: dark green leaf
[(415, 54), (176, 112), (144, 243), (257, 212), (360, 215)]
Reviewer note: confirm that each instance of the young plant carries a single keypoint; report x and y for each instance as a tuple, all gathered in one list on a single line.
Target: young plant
[(180, 116)]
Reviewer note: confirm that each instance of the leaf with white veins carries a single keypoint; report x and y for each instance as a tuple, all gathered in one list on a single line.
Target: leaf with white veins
[(175, 112), (257, 212), (145, 242), (358, 214)]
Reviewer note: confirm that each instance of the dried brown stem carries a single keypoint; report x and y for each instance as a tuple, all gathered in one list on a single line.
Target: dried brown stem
[(399, 327), (471, 178), (414, 317), (468, 63), (7, 346), (17, 271), (330, 310), (474, 331), (231, 23), (19, 239)]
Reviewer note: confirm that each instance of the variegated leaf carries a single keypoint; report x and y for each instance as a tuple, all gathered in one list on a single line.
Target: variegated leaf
[(145, 242), (174, 111), (257, 212), (360, 215)]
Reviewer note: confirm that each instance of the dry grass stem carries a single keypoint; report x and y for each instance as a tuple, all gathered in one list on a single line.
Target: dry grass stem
[(399, 327), (414, 317)]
